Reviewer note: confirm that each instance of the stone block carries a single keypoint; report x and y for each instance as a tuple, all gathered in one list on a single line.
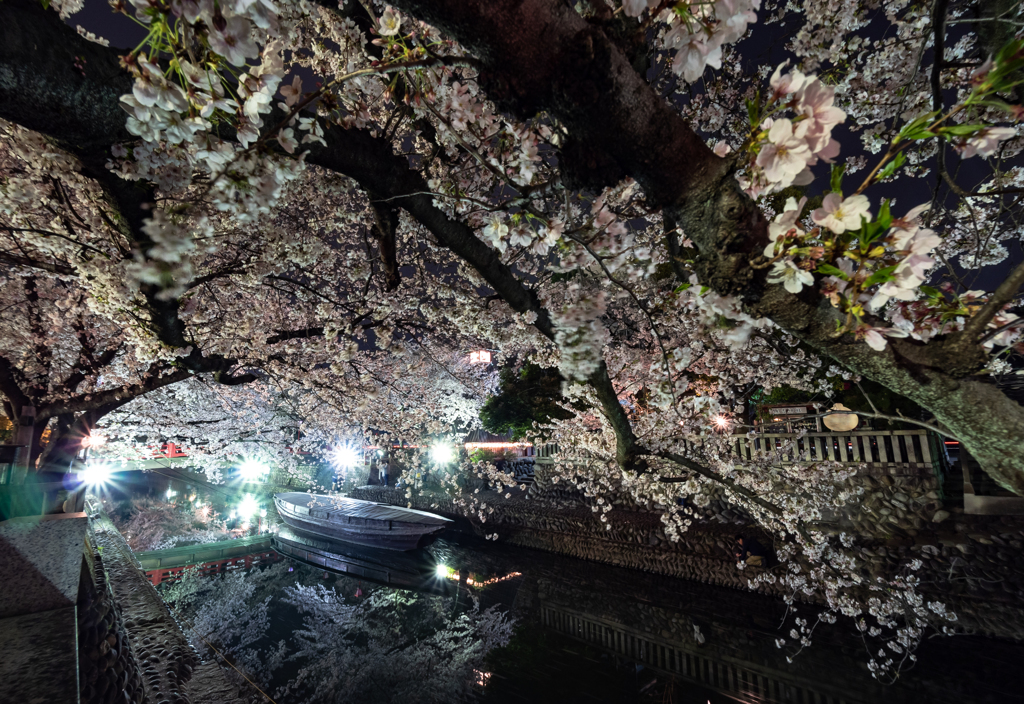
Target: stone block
[(40, 562)]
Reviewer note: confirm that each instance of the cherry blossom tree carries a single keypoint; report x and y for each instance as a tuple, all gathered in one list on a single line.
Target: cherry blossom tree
[(639, 194)]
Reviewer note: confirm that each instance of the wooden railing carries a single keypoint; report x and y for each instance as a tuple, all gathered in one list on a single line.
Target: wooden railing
[(915, 450)]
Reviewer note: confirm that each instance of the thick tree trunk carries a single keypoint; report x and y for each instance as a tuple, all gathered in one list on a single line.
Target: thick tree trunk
[(542, 55)]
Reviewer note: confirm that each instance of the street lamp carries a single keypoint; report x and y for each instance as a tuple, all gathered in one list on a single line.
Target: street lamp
[(441, 453), (252, 470), (96, 474)]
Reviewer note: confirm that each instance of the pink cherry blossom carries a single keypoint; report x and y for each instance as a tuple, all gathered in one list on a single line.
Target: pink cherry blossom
[(792, 278), (985, 142), (840, 215), (235, 42), (786, 154)]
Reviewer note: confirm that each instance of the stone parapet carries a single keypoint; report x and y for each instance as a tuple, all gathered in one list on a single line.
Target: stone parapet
[(969, 566)]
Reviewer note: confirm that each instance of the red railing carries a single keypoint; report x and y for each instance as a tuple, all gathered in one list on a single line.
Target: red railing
[(173, 574)]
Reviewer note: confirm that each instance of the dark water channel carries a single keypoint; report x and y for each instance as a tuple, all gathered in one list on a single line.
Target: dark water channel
[(588, 632)]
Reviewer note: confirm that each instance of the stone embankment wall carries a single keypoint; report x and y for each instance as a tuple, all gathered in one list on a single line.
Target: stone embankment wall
[(968, 561), (165, 654), (166, 660), (109, 672)]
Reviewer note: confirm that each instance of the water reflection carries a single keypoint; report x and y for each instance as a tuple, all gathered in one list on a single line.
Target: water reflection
[(417, 569), (588, 632)]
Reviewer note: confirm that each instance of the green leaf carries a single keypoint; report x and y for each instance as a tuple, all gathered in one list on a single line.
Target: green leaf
[(890, 168), (868, 233), (961, 130), (929, 291), (915, 129), (880, 276), (998, 104), (682, 287), (837, 178), (884, 219), (704, 289), (830, 270), (752, 110)]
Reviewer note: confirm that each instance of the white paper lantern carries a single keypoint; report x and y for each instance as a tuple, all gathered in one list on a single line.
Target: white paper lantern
[(841, 422)]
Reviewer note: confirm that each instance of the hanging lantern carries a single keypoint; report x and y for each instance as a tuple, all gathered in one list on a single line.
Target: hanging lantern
[(839, 421)]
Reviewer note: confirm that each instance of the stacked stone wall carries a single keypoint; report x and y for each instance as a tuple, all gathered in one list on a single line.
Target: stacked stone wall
[(969, 563), (109, 672)]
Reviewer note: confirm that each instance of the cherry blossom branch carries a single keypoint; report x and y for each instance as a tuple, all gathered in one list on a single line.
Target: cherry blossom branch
[(114, 398), (1002, 328), (53, 268), (707, 473), (1006, 292)]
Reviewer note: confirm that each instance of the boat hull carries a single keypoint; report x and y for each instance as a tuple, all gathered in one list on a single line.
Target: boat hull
[(415, 570), (360, 522)]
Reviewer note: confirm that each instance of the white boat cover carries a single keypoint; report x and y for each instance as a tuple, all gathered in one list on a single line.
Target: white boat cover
[(335, 507)]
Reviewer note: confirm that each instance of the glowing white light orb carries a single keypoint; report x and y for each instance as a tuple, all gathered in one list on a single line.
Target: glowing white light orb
[(441, 453), (249, 506), (263, 513), (345, 456), (252, 470), (93, 440), (442, 571), (96, 474)]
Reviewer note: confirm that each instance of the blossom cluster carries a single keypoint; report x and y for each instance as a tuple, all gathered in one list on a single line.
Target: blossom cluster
[(694, 32)]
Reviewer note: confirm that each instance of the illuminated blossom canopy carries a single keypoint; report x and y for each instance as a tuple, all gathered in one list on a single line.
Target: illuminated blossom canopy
[(316, 211)]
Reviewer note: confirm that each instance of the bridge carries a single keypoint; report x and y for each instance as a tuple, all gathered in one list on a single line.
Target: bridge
[(211, 558)]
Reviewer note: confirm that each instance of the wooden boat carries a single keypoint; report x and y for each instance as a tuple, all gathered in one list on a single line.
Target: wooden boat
[(361, 522), (416, 569)]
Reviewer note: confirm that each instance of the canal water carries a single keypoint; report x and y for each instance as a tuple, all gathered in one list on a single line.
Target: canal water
[(586, 632)]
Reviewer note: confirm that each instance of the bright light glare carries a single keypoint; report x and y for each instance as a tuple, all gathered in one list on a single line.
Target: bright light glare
[(263, 513), (96, 474), (93, 440), (721, 422), (252, 470), (441, 453), (442, 571), (344, 456), (249, 506)]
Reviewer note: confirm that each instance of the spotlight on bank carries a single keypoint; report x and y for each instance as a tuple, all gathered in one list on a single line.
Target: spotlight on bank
[(344, 456), (252, 470), (96, 474), (441, 453), (249, 506)]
